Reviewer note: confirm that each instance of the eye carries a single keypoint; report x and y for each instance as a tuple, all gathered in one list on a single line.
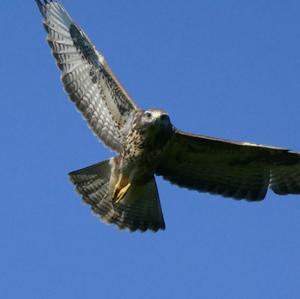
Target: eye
[(148, 114)]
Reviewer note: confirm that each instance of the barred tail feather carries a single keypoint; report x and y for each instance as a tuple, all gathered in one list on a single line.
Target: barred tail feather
[(139, 210)]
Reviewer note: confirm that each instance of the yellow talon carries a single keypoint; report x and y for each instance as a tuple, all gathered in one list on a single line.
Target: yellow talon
[(121, 188), (120, 193)]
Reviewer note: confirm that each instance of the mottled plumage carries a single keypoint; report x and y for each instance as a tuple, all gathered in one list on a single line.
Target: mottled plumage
[(122, 190)]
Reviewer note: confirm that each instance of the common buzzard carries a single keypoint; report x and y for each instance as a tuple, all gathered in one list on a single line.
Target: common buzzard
[(122, 190)]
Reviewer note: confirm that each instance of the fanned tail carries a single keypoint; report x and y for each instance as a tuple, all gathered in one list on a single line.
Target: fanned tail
[(139, 210)]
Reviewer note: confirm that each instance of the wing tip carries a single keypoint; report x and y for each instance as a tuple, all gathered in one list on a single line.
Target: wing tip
[(42, 5)]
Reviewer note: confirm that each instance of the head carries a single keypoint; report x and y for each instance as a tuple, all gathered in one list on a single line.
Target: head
[(155, 123), (154, 118)]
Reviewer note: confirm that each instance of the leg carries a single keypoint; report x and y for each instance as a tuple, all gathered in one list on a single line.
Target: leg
[(121, 188)]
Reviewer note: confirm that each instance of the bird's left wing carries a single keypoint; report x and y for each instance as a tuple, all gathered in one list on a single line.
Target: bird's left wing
[(86, 76), (231, 169)]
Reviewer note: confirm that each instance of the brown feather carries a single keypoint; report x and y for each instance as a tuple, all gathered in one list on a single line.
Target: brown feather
[(233, 169)]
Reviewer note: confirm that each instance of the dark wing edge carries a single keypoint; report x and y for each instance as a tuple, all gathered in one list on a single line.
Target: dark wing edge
[(240, 170), (86, 76)]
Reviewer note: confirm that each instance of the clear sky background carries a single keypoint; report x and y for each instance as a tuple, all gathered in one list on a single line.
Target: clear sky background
[(228, 69)]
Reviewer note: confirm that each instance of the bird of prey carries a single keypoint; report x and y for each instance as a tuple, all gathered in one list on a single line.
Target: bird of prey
[(122, 190)]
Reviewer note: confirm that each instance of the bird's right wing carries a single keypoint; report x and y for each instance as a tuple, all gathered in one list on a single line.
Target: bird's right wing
[(232, 169), (86, 76)]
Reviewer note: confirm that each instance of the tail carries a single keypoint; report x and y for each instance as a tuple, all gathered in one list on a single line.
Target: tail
[(139, 210)]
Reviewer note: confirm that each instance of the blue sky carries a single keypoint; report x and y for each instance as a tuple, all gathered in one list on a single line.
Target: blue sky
[(228, 69)]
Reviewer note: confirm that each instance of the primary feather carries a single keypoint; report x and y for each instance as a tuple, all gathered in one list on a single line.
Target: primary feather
[(240, 170), (86, 76)]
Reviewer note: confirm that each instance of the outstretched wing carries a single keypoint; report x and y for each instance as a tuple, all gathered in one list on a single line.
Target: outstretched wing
[(86, 77), (232, 169)]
